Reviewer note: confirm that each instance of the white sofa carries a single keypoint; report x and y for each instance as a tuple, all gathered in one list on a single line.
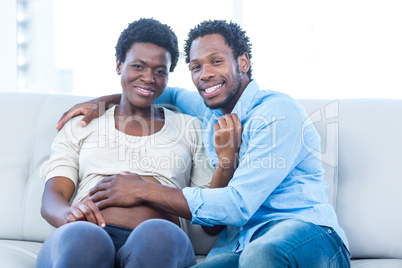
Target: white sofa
[(362, 143)]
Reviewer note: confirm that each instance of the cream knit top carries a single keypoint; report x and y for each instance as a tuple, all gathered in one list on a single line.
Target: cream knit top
[(174, 156)]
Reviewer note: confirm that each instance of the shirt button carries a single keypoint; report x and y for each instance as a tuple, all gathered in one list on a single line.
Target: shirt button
[(241, 229)]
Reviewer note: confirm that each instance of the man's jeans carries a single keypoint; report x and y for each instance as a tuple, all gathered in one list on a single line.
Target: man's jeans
[(287, 243)]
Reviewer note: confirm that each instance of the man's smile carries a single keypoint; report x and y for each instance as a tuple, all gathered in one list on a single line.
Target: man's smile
[(211, 91)]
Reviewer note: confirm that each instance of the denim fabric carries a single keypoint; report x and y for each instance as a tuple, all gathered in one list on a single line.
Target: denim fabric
[(153, 243), (287, 243), (118, 234), (77, 244)]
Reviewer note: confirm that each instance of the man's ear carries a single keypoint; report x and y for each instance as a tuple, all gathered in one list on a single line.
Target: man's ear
[(244, 62), (118, 67)]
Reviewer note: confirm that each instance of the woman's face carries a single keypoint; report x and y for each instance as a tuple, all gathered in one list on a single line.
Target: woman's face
[(144, 73)]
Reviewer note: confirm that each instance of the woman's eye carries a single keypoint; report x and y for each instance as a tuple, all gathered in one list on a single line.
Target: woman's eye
[(136, 66), (161, 72)]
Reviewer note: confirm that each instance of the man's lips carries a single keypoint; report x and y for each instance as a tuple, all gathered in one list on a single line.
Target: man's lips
[(211, 91)]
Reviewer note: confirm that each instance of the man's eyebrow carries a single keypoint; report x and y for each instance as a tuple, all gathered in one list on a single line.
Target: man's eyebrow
[(209, 55)]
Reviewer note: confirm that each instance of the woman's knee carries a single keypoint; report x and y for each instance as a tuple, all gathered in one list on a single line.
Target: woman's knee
[(77, 244), (85, 232), (158, 229), (157, 237)]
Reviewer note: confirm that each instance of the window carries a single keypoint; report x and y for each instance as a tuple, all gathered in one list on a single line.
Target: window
[(308, 49)]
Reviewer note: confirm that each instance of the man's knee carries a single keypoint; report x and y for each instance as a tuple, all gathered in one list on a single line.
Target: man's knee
[(262, 253)]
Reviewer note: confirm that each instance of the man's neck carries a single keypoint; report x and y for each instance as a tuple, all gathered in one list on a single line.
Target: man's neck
[(244, 83)]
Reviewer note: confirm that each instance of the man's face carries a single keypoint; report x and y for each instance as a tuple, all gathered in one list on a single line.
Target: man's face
[(144, 73), (218, 76)]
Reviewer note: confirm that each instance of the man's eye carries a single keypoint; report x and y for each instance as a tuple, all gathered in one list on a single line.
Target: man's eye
[(216, 61), (195, 68)]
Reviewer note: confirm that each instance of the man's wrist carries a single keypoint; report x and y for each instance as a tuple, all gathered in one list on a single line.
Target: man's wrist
[(226, 163), (146, 191)]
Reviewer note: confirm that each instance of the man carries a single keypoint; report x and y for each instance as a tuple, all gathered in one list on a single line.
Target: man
[(275, 206)]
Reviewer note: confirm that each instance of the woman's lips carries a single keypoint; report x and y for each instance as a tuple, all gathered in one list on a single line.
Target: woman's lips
[(144, 91)]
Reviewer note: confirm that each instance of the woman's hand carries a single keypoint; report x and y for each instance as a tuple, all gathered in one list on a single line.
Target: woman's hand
[(91, 109), (85, 210), (227, 140)]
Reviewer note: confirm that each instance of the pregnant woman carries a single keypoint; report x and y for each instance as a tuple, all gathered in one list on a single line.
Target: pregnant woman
[(159, 145)]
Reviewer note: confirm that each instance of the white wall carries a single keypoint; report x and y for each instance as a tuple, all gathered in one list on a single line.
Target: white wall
[(8, 49), (308, 49)]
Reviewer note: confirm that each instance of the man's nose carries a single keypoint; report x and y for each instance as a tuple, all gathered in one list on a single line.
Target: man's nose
[(207, 72)]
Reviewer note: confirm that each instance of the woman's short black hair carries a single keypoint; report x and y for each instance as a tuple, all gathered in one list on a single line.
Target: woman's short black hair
[(234, 37), (148, 31)]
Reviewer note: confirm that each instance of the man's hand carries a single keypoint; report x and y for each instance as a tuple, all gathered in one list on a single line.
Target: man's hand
[(227, 140), (85, 210), (91, 109), (121, 190)]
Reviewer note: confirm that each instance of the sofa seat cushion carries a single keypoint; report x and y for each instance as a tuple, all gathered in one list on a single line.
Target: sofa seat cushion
[(18, 253), (376, 263)]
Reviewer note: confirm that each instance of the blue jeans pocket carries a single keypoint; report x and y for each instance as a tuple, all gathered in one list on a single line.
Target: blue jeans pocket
[(340, 259)]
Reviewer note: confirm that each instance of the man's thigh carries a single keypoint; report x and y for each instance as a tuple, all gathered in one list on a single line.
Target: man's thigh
[(294, 243)]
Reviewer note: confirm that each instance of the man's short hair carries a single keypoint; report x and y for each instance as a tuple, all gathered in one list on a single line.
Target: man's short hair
[(148, 31), (234, 37)]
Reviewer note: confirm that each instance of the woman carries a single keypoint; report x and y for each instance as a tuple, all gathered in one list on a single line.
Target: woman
[(159, 145)]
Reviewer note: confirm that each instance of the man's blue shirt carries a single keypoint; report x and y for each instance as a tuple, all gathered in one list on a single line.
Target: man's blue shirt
[(277, 177)]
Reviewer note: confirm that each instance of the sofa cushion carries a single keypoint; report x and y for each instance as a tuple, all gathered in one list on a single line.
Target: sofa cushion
[(364, 184), (28, 129), (369, 197), (15, 254)]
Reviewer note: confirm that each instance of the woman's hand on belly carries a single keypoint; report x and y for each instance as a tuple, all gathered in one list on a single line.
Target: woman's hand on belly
[(119, 190), (85, 210), (131, 215)]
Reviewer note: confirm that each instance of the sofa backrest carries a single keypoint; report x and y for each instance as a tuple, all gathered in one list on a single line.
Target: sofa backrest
[(361, 143), (367, 177), (28, 129), (369, 201)]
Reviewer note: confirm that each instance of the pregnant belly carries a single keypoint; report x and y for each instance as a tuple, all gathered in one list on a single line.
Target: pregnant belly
[(132, 216)]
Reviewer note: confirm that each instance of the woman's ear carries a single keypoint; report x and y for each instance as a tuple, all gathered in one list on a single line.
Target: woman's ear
[(118, 67), (244, 62)]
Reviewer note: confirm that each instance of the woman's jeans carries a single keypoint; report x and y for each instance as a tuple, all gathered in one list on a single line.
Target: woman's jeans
[(153, 243), (287, 243)]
